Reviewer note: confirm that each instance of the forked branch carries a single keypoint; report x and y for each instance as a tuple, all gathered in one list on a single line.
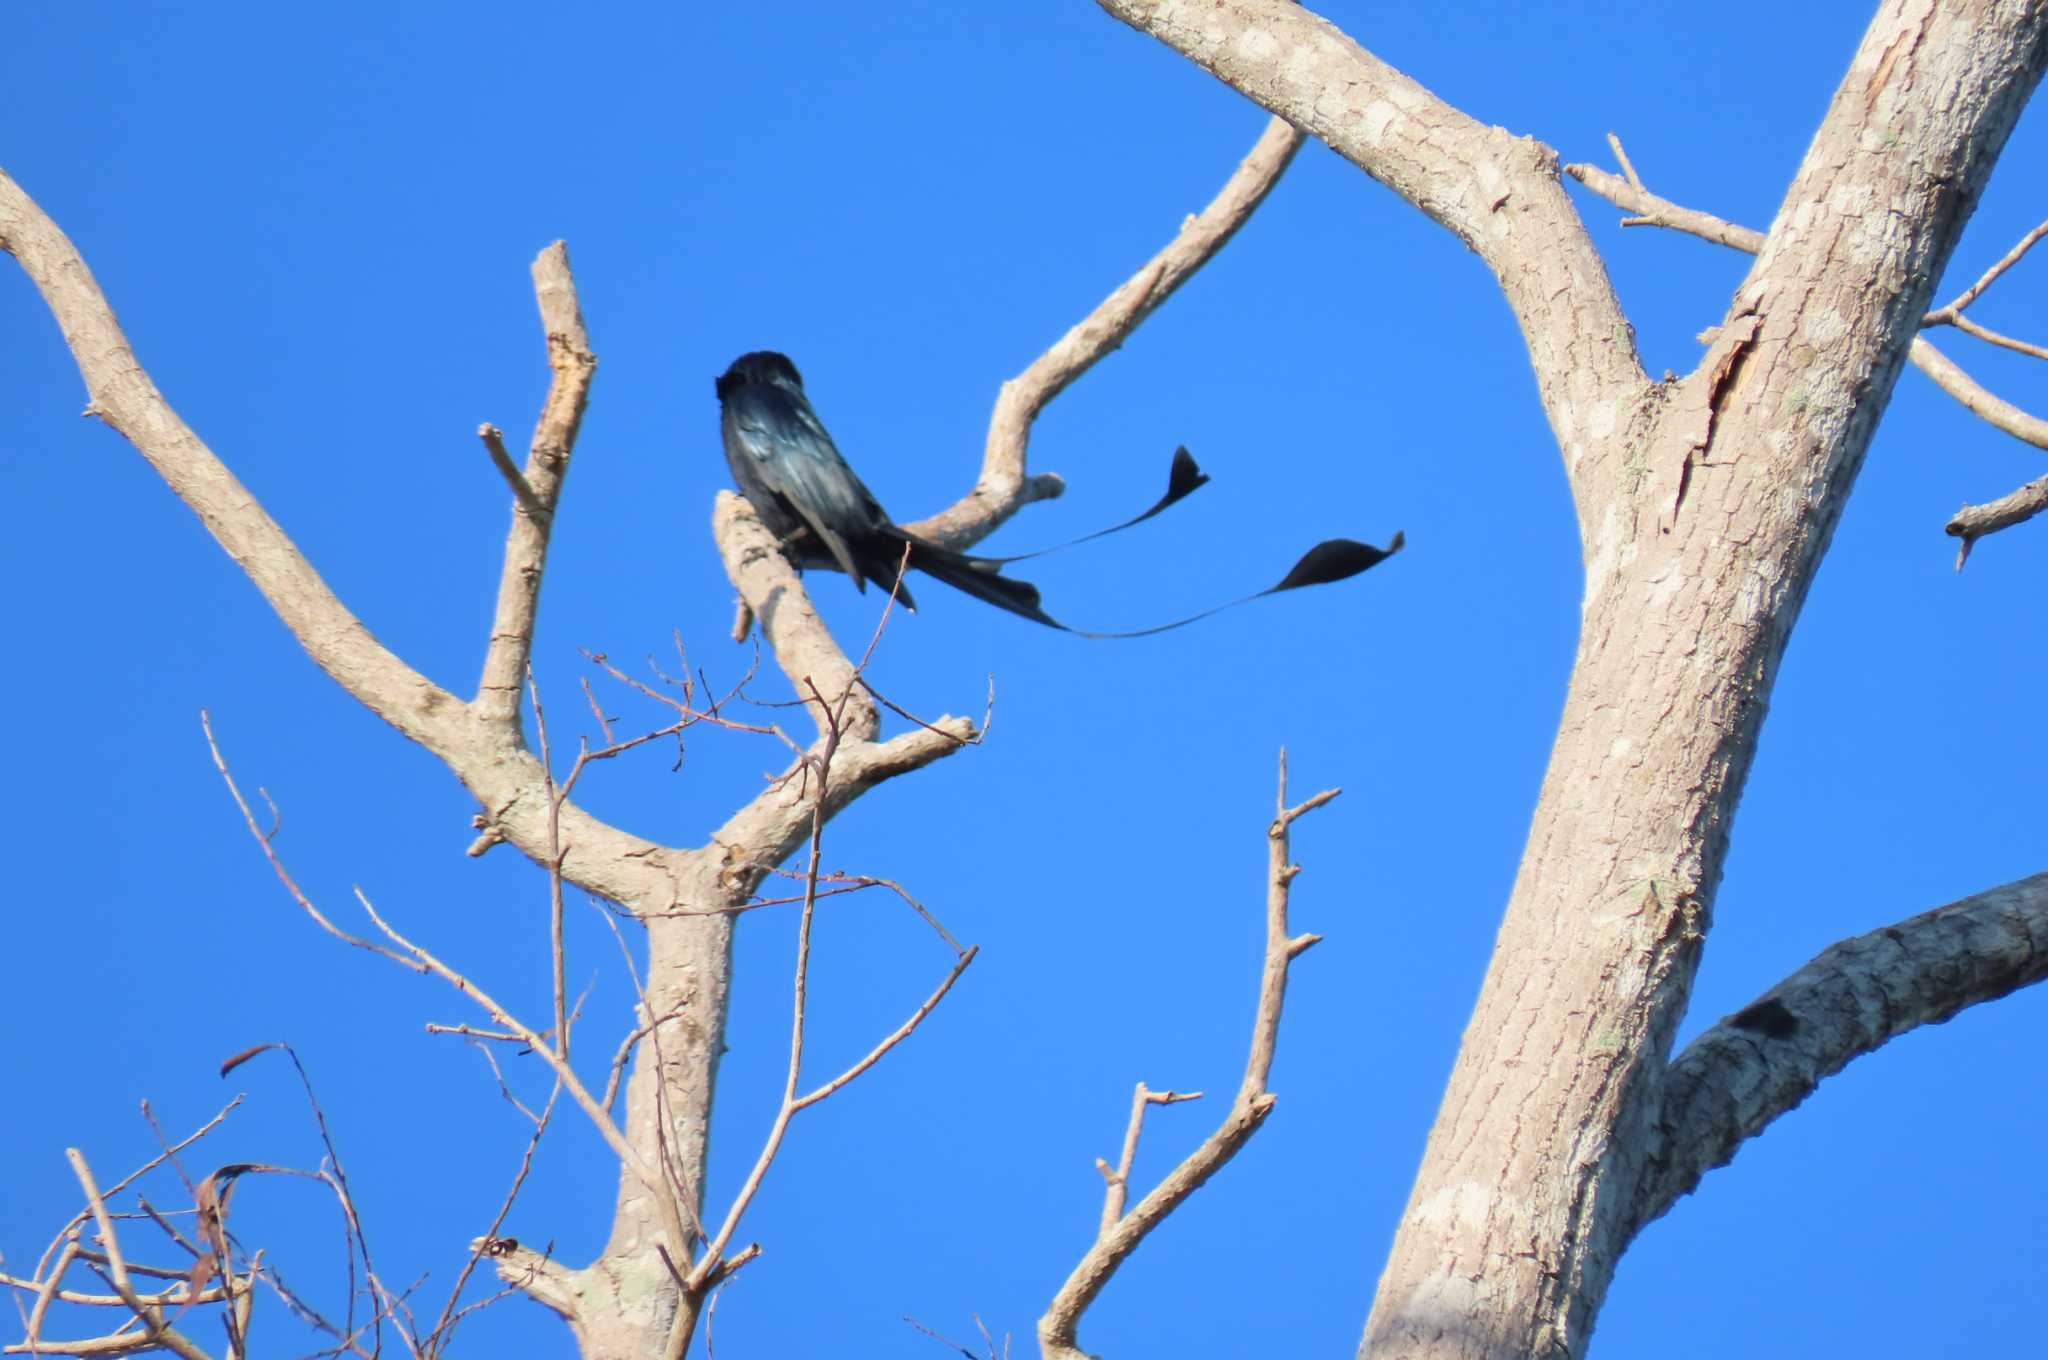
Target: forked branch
[(1972, 521), (1121, 1232), (537, 490)]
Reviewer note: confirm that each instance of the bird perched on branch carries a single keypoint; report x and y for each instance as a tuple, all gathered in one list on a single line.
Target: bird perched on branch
[(807, 495)]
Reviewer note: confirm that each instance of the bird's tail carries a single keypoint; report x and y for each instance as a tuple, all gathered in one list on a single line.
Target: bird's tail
[(1334, 559), (980, 577)]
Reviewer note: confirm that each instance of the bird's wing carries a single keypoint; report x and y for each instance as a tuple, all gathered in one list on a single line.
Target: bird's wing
[(787, 450)]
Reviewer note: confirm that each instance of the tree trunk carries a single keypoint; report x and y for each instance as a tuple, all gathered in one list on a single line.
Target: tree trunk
[(1705, 511)]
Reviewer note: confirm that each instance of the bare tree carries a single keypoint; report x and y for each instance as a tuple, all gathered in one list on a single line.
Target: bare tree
[(669, 1251), (1704, 504)]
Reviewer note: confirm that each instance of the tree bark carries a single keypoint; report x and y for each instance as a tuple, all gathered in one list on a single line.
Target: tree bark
[(1705, 505), (1698, 557)]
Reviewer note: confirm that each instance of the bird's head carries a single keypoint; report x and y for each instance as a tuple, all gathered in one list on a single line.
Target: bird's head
[(764, 367)]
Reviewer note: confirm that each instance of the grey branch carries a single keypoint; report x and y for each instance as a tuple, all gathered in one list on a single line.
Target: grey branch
[(1853, 997)]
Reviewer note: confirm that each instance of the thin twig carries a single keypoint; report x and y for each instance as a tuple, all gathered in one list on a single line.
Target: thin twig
[(604, 724), (425, 961), (1117, 1191), (504, 1088), (150, 1317), (1116, 1240), (558, 953), (291, 885), (897, 1035), (940, 1337), (1627, 167), (1952, 310), (49, 1290), (1977, 399), (472, 1032), (1989, 336), (444, 1327), (338, 1180)]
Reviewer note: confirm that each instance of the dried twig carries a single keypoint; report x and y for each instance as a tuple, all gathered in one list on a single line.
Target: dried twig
[(1978, 400), (1120, 1232), (711, 1264), (1954, 309), (151, 1316), (558, 952), (337, 1179), (264, 839), (1989, 336), (1621, 156), (443, 1332)]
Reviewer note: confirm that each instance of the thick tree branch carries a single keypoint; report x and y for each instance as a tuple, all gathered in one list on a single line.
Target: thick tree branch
[(1004, 488), (125, 398), (1854, 997), (1497, 193), (490, 762)]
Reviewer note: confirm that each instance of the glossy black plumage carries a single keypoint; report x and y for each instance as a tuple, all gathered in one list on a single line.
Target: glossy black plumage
[(805, 493), (809, 497)]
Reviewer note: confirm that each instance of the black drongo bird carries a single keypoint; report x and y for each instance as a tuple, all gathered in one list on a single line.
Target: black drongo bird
[(807, 496), (805, 493)]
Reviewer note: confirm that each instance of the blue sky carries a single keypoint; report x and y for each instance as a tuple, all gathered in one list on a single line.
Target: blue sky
[(316, 226)]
